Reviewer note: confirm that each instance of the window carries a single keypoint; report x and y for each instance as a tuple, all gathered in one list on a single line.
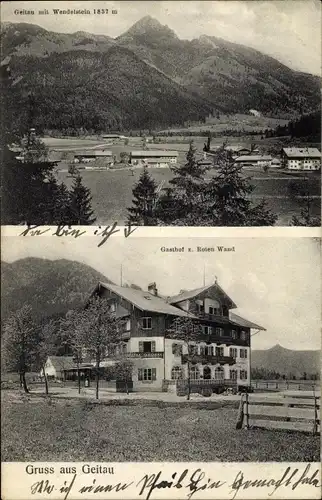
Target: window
[(176, 373), (234, 334), (193, 349), (147, 374), (207, 373), (147, 346), (146, 323), (200, 308), (243, 335), (219, 332), (219, 351), (233, 352), (243, 353), (207, 330), (194, 373), (202, 350), (243, 375), (215, 311), (209, 350), (233, 374), (112, 307), (219, 373), (177, 349)]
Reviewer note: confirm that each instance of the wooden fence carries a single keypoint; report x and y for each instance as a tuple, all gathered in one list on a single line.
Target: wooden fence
[(284, 385), (285, 413)]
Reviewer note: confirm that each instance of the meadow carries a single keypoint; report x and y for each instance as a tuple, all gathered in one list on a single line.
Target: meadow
[(39, 429), (112, 192)]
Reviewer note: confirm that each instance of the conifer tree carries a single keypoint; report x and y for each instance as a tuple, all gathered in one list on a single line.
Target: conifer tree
[(81, 212), (143, 211), (228, 199), (182, 203)]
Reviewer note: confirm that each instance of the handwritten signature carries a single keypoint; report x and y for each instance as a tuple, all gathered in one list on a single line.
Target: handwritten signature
[(193, 482), (63, 230)]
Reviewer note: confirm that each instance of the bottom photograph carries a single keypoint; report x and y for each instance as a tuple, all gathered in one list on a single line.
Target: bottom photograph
[(160, 350)]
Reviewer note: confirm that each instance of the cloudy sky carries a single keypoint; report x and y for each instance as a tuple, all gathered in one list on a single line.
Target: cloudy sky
[(274, 281), (289, 30)]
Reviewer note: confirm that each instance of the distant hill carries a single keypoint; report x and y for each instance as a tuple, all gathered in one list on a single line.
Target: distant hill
[(51, 287), (286, 361), (147, 78)]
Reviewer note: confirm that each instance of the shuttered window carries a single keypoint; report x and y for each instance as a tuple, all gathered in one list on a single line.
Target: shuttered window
[(146, 323)]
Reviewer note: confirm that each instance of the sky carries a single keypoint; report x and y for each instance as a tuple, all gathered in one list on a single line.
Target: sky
[(289, 30), (275, 282)]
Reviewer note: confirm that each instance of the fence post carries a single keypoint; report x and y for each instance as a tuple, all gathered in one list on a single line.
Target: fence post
[(247, 412), (240, 417)]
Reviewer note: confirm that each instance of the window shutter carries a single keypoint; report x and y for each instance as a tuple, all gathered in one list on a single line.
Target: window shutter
[(174, 348), (140, 346), (153, 346), (154, 374), (140, 374), (245, 353)]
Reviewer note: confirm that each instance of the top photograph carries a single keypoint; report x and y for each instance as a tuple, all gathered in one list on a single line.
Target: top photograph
[(161, 113)]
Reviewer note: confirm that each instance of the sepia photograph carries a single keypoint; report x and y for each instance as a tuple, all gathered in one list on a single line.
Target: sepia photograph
[(161, 350), (161, 113)]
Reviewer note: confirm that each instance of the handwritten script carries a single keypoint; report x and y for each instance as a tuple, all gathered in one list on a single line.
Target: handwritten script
[(190, 482), (62, 231)]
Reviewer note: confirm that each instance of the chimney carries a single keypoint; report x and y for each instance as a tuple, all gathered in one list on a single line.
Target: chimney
[(152, 288)]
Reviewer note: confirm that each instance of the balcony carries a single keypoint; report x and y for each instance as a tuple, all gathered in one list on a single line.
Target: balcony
[(206, 359), (145, 354)]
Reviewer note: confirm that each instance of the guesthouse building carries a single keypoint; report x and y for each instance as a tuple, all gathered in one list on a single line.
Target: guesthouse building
[(253, 160), (308, 159), (220, 356)]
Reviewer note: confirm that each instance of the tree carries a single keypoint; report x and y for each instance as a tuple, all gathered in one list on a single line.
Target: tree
[(144, 192), (94, 329), (228, 200), (188, 331), (206, 146), (123, 371), (80, 204), (301, 192), (20, 343), (182, 204)]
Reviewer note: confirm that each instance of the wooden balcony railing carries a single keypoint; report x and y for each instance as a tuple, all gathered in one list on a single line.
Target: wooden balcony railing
[(205, 359), (145, 354)]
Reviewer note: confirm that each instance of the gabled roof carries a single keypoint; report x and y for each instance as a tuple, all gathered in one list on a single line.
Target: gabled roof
[(145, 301), (302, 152), (190, 294), (244, 322)]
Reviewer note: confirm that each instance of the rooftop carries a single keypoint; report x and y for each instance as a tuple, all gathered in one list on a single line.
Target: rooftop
[(145, 301), (238, 320), (154, 153), (94, 152), (190, 294), (251, 158), (302, 152)]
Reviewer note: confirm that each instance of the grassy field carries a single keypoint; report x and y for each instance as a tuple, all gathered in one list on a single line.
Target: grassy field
[(112, 192), (72, 430)]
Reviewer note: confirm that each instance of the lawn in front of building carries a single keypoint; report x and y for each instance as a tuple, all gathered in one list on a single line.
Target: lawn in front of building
[(38, 429)]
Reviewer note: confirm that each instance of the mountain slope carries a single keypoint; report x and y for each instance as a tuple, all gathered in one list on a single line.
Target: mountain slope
[(114, 89), (51, 287), (147, 78), (286, 361)]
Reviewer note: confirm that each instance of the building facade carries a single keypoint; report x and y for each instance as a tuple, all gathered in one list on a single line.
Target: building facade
[(220, 355), (254, 160), (308, 159), (156, 158)]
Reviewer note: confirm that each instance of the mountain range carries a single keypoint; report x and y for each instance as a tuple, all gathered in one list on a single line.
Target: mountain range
[(53, 287), (146, 78), (286, 361)]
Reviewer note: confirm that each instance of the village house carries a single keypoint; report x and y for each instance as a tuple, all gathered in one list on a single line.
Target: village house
[(93, 155), (153, 158), (220, 356), (301, 159), (253, 160)]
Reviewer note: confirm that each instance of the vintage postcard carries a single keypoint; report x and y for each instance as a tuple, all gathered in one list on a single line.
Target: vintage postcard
[(160, 367), (160, 250), (173, 113)]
